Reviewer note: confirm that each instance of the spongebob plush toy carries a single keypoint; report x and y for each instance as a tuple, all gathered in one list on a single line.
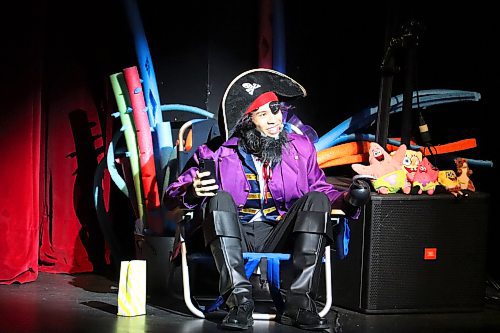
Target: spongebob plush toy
[(410, 165), (448, 179)]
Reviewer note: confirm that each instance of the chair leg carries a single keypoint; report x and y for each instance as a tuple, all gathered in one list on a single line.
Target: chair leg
[(328, 283), (185, 283)]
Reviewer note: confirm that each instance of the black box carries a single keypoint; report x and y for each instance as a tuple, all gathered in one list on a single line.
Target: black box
[(415, 253)]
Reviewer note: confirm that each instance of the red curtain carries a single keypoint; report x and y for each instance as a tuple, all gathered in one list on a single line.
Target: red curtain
[(70, 237), (54, 126), (19, 176)]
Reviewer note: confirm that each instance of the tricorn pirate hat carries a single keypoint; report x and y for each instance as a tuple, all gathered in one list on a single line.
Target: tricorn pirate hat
[(247, 87)]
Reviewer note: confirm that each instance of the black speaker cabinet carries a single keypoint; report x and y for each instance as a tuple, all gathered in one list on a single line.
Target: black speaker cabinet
[(415, 253)]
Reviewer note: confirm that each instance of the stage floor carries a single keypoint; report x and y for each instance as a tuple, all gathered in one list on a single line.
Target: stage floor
[(88, 303)]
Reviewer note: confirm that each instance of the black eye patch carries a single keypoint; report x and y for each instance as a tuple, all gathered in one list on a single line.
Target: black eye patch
[(274, 107)]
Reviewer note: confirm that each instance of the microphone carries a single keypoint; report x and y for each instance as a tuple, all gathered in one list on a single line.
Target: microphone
[(359, 191), (425, 135)]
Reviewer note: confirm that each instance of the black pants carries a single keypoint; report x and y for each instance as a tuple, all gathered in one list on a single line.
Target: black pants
[(269, 236)]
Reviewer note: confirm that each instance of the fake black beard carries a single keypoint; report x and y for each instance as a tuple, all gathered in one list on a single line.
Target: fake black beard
[(265, 148)]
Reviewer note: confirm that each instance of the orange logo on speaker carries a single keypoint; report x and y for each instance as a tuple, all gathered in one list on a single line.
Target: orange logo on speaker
[(430, 253)]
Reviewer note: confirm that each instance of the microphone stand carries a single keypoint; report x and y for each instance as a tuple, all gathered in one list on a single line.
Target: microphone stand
[(409, 44), (388, 70), (407, 41)]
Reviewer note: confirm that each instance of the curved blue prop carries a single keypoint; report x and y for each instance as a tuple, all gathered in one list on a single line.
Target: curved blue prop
[(162, 132), (366, 137), (476, 163), (110, 163), (365, 117), (148, 76), (105, 223), (186, 108)]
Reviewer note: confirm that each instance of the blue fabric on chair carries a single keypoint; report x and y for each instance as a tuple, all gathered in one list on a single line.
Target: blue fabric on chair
[(273, 264), (273, 275), (342, 238)]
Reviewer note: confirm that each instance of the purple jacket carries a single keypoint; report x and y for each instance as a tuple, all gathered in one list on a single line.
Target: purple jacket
[(297, 174)]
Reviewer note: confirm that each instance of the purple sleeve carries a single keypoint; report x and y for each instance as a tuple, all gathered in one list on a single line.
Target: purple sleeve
[(316, 177), (317, 182), (177, 192)]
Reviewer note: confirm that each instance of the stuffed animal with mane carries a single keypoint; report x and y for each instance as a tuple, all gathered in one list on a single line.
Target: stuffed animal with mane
[(463, 174)]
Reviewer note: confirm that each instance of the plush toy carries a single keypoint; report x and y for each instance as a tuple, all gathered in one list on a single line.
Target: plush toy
[(410, 164), (426, 177), (386, 168), (448, 179), (463, 173)]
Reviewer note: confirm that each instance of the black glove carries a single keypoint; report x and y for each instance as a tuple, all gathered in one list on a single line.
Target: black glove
[(358, 193)]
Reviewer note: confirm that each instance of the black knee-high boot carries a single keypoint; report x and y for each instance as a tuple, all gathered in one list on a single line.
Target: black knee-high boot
[(300, 308), (233, 284)]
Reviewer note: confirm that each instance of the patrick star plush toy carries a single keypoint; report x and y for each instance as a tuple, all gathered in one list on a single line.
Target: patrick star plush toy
[(426, 177), (385, 168)]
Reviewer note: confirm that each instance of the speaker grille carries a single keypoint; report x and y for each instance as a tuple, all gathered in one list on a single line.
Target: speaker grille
[(396, 231)]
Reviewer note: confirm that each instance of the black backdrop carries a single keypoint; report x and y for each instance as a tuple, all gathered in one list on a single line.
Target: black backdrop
[(334, 49)]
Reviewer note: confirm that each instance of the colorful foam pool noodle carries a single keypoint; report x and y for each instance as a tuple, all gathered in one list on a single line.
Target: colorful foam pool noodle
[(344, 160), (151, 95), (121, 96), (443, 148), (345, 149), (162, 131), (345, 153), (144, 139)]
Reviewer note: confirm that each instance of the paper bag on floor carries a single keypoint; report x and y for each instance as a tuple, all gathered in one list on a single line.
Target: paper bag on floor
[(132, 288)]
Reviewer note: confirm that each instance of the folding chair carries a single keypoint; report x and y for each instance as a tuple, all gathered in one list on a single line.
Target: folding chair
[(273, 275), (252, 261)]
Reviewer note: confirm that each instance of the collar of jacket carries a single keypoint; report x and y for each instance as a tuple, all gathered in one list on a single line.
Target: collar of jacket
[(247, 159), (232, 142)]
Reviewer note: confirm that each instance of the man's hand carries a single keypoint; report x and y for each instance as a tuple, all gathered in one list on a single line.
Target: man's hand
[(204, 186)]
